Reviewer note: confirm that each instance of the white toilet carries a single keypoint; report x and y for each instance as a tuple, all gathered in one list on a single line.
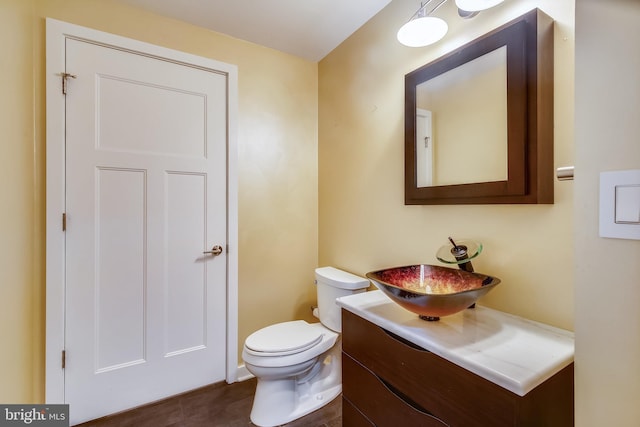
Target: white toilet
[(298, 364)]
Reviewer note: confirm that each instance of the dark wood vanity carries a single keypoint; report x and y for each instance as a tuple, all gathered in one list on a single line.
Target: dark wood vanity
[(389, 381)]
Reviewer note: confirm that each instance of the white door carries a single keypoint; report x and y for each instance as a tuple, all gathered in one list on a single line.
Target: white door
[(145, 199)]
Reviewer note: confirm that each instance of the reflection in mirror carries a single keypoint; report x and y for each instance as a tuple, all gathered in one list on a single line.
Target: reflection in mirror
[(449, 152), (424, 147)]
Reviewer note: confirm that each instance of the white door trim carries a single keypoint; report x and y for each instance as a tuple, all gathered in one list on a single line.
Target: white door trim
[(56, 34)]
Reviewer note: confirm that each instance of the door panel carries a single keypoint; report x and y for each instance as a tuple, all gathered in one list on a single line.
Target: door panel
[(120, 267), (146, 196), (186, 285), (154, 131)]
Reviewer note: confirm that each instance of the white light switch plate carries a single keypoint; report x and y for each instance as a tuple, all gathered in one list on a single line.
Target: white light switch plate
[(620, 204)]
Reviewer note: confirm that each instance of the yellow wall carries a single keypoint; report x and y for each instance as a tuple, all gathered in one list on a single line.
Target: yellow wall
[(607, 270), (277, 145), (364, 224), (21, 290)]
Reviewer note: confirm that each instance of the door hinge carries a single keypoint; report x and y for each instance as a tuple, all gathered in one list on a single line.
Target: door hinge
[(64, 359), (64, 221), (65, 77)]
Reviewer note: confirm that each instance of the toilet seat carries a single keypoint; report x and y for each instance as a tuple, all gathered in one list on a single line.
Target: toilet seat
[(283, 339), (292, 356)]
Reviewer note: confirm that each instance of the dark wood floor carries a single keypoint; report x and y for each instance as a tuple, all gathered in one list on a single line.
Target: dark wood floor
[(217, 405)]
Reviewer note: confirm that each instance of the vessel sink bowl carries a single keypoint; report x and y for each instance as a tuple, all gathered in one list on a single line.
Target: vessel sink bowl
[(432, 291)]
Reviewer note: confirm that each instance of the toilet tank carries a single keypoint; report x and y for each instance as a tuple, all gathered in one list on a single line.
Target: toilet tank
[(331, 284)]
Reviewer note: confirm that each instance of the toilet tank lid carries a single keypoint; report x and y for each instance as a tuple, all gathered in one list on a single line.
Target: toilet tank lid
[(340, 279)]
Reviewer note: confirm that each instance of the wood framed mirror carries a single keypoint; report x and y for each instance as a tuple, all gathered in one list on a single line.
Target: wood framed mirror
[(508, 157)]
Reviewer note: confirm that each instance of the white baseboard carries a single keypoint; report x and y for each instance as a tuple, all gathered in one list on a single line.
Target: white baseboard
[(243, 374)]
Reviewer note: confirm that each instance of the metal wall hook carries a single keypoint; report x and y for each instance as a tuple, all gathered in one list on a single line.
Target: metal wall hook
[(565, 173)]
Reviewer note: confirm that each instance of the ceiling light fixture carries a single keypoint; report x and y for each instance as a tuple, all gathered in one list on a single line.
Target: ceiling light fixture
[(476, 5), (423, 29)]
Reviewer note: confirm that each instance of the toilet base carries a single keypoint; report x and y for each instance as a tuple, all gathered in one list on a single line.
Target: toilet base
[(269, 413), (280, 401), (275, 415)]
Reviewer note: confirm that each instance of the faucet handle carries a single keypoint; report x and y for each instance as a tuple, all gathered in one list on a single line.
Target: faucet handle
[(462, 252)]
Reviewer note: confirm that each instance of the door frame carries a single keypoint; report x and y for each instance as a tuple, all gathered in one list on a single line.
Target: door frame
[(56, 34)]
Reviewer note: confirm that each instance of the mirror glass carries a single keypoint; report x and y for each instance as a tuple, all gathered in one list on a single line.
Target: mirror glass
[(453, 151)]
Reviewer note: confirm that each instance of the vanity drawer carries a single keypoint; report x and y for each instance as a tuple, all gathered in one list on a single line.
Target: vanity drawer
[(450, 393), (352, 417), (383, 405)]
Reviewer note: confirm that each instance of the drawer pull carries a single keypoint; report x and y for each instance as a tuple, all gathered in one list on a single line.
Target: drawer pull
[(404, 398), (404, 341)]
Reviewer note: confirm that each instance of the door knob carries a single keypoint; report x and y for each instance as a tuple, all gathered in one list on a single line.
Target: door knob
[(216, 250)]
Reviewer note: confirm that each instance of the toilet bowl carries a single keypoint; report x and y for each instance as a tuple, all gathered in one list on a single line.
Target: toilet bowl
[(298, 364)]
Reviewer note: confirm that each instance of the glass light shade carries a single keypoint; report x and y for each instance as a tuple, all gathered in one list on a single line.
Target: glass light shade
[(476, 5), (422, 31)]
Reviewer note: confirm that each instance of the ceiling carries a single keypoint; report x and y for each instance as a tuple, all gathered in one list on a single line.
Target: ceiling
[(306, 28)]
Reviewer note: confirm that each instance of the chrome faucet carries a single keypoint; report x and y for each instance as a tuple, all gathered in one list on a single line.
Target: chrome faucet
[(460, 252)]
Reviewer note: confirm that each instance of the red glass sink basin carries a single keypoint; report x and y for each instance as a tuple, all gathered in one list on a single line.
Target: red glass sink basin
[(432, 291)]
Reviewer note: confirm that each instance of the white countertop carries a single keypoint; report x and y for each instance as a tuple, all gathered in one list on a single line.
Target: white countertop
[(515, 353)]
